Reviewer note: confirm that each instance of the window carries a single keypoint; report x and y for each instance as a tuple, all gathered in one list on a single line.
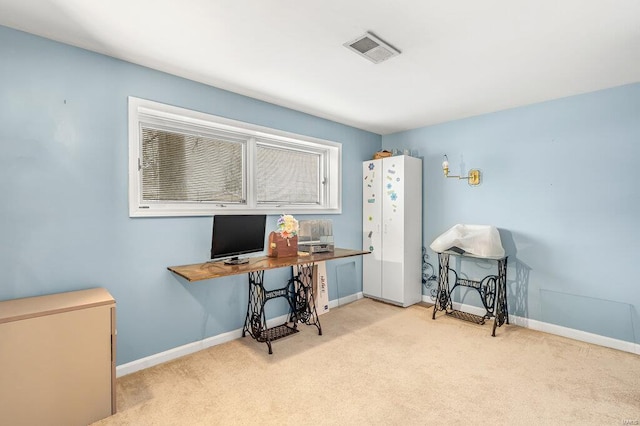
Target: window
[(187, 163), (298, 182)]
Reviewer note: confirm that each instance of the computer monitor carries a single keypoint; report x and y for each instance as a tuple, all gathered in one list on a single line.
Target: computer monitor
[(234, 235)]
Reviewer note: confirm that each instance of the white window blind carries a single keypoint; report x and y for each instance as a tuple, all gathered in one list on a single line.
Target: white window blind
[(287, 176), (184, 167)]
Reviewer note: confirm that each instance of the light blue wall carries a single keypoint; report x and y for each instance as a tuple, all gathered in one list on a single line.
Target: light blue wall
[(561, 182), (64, 221)]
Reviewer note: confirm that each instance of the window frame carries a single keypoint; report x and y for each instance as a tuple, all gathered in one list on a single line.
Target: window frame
[(172, 118)]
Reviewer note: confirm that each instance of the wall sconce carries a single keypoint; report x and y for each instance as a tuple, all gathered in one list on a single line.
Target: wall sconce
[(473, 178)]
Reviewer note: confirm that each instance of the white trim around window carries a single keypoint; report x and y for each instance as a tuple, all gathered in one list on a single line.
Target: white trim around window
[(188, 163)]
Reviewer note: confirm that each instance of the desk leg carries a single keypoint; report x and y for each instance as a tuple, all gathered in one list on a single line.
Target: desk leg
[(299, 294), (255, 322), (501, 309), (442, 294), (304, 305)]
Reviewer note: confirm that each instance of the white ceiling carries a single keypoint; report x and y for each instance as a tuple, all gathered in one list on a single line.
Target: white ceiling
[(459, 57)]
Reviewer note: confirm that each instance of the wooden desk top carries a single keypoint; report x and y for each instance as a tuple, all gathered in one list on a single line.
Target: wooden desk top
[(217, 269)]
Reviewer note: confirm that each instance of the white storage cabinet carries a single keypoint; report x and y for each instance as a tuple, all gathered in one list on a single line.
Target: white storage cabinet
[(392, 229)]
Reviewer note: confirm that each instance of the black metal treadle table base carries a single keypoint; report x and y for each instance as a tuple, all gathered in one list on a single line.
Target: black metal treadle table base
[(299, 295), (477, 319), (277, 332), (492, 290)]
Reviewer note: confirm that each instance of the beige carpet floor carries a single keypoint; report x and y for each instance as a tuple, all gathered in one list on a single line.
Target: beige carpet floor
[(378, 364)]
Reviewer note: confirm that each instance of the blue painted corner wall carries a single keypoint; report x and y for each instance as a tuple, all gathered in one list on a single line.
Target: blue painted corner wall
[(560, 182), (63, 180)]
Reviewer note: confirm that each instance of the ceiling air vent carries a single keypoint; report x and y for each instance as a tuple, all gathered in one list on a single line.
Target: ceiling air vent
[(372, 48)]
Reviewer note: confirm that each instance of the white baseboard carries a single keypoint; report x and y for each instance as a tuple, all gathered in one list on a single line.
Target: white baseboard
[(180, 351), (345, 300), (558, 330), (171, 354)]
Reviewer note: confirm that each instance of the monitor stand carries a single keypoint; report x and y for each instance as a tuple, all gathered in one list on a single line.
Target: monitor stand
[(236, 261)]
